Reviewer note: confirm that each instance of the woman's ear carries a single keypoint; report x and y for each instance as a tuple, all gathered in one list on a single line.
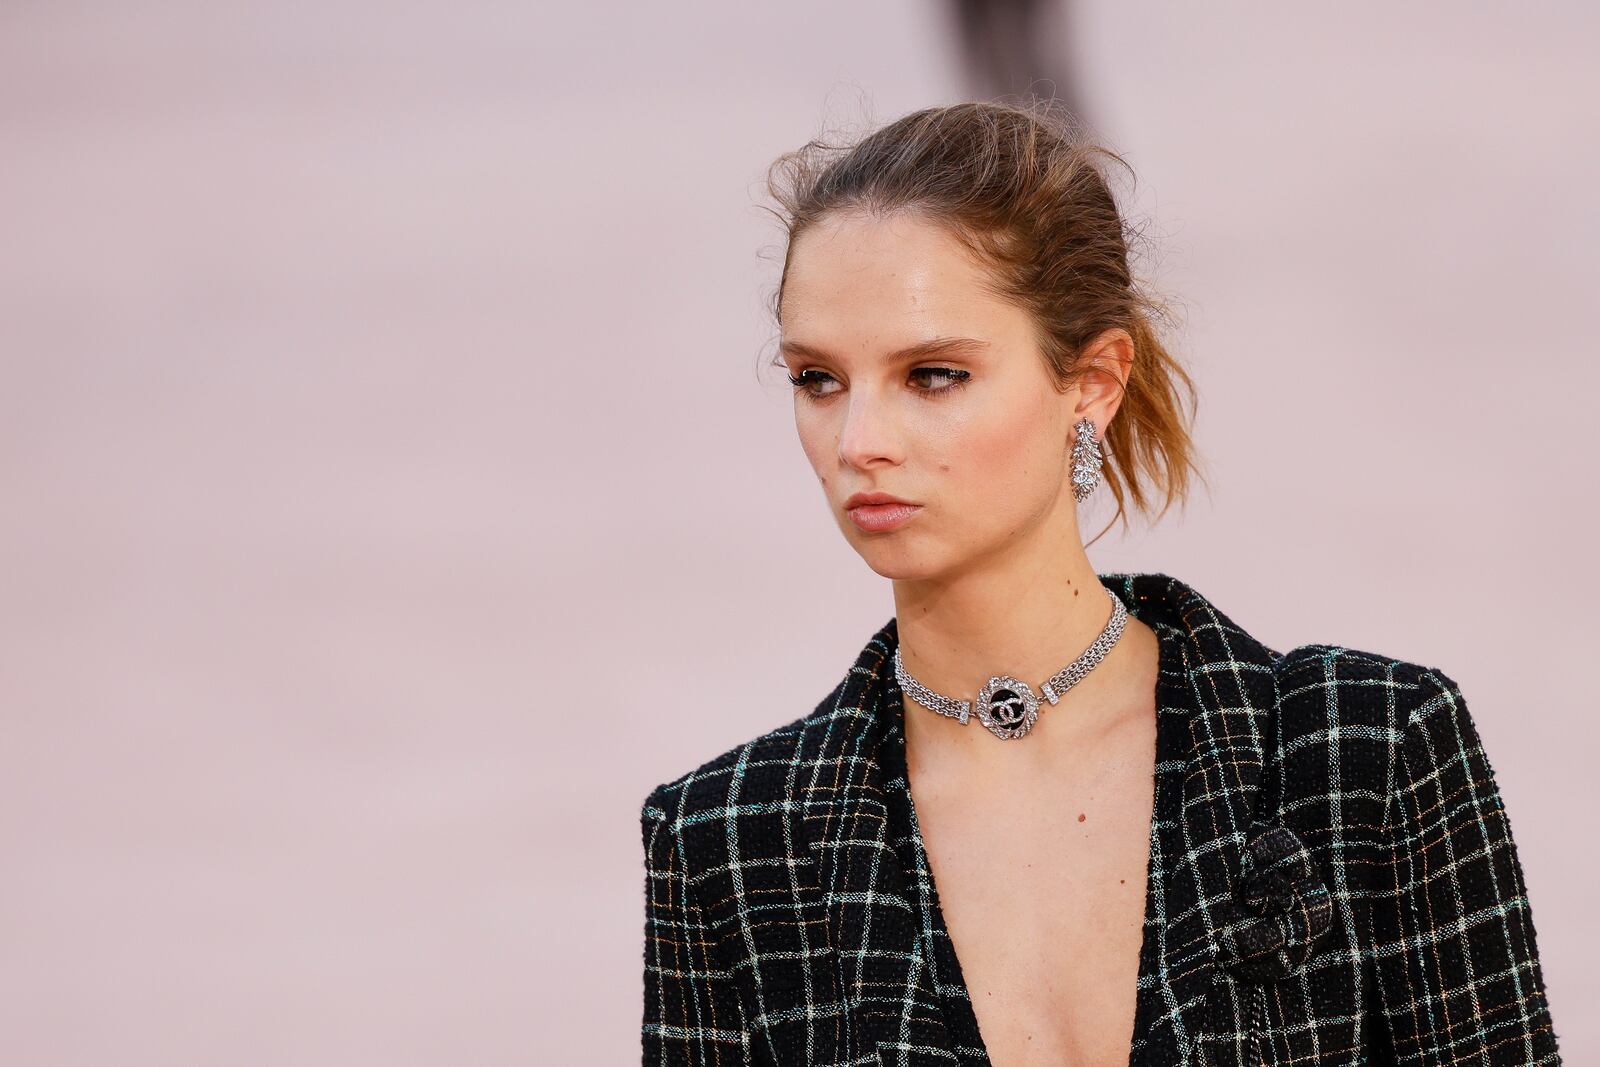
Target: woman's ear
[(1107, 362)]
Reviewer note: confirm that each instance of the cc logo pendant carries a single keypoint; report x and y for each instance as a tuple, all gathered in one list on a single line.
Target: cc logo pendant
[(1007, 707)]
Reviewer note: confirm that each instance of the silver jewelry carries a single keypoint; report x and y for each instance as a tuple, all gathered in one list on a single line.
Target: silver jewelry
[(1006, 706), (1086, 460)]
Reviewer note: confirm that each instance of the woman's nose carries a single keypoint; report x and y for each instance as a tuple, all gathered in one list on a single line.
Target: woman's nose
[(870, 433)]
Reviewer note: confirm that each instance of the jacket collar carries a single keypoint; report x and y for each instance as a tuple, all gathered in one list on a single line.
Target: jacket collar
[(1226, 692)]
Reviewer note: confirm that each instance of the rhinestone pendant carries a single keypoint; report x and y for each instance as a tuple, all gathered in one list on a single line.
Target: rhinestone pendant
[(1007, 707)]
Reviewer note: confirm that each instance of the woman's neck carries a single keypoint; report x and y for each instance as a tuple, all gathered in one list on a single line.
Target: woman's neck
[(1027, 622)]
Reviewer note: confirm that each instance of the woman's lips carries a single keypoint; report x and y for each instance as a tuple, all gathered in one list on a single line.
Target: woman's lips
[(875, 518)]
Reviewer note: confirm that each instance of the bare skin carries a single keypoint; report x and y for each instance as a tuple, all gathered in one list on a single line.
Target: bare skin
[(1039, 845), (1040, 864)]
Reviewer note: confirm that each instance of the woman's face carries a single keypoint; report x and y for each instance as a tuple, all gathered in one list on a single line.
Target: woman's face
[(971, 431)]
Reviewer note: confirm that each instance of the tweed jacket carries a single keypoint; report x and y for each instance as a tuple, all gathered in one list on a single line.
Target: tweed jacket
[(1332, 877)]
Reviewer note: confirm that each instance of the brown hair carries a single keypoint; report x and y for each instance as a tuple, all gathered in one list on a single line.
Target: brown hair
[(1021, 186)]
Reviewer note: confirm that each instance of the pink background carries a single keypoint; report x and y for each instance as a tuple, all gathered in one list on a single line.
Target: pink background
[(390, 500)]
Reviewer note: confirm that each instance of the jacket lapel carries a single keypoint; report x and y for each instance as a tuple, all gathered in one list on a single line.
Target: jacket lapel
[(877, 972), (1228, 692)]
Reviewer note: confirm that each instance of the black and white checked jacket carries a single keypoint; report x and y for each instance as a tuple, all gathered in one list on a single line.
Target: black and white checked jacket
[(1335, 883)]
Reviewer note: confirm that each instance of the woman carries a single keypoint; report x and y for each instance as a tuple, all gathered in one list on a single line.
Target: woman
[(1139, 836)]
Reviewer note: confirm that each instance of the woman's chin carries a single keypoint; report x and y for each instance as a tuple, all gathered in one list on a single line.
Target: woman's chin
[(902, 562)]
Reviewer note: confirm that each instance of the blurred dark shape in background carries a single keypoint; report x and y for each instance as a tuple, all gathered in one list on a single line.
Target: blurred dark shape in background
[(1009, 47)]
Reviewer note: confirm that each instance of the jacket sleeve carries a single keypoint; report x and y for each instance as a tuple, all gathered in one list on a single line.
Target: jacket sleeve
[(1458, 970), (691, 1009)]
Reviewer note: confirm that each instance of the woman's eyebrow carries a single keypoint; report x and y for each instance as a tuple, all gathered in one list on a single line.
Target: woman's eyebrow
[(939, 346)]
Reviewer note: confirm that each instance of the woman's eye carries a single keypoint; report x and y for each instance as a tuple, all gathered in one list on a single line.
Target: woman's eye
[(806, 378), (951, 377)]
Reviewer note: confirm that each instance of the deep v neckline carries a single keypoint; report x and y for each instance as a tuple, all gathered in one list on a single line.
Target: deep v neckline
[(948, 980)]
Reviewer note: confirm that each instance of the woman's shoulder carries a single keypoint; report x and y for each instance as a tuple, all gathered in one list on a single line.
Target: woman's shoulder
[(1351, 718), (1359, 687), (1358, 732), (753, 772)]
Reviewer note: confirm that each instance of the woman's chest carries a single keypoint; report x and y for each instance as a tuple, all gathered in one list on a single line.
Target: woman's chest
[(1043, 889)]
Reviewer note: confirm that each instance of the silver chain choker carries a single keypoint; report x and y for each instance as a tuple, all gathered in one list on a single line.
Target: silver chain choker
[(1007, 706)]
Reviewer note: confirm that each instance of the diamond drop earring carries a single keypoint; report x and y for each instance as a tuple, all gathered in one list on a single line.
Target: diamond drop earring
[(1086, 460)]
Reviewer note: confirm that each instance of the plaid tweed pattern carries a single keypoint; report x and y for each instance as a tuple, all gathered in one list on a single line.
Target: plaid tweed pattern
[(1333, 878)]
